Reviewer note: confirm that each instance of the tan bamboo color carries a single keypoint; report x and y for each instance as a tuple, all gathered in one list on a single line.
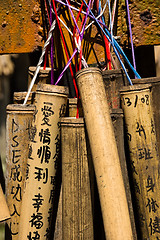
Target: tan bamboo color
[(18, 97), (58, 227), (73, 102), (77, 220), (144, 158), (43, 161), (155, 82), (117, 117), (113, 81), (44, 76), (4, 211), (18, 124), (105, 155)]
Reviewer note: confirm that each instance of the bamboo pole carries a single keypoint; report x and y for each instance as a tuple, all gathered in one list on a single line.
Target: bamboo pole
[(77, 217), (155, 82), (105, 155), (44, 76), (117, 117), (18, 97), (144, 157), (113, 81), (18, 124), (43, 161), (4, 211), (72, 113), (73, 104)]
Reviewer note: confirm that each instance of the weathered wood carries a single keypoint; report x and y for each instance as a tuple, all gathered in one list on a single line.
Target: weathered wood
[(144, 157), (113, 81), (18, 124), (76, 190), (155, 82), (117, 117)]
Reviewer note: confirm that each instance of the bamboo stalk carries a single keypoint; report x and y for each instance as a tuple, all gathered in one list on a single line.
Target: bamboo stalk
[(105, 155), (144, 157), (43, 162), (18, 124), (76, 198)]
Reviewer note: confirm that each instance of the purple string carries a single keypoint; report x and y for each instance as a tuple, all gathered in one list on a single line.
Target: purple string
[(67, 65), (73, 17), (87, 13), (52, 49), (130, 32)]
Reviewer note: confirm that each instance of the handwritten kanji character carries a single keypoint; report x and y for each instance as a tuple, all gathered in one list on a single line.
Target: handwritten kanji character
[(15, 173), (150, 185), (36, 220), (140, 130), (38, 201), (44, 153), (16, 191), (41, 174), (152, 205), (45, 136), (47, 112)]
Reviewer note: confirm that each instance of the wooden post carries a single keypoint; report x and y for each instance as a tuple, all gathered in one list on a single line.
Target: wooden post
[(113, 81), (144, 158), (18, 124), (43, 161), (4, 211), (105, 155), (77, 207)]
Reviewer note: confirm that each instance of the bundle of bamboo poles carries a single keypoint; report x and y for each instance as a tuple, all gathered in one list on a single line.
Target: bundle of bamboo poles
[(55, 161)]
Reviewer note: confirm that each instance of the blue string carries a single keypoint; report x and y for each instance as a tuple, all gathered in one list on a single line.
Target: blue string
[(108, 35), (120, 50), (112, 45)]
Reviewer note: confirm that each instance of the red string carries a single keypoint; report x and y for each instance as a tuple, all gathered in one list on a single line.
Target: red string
[(47, 12), (74, 82), (74, 31), (108, 54), (45, 58)]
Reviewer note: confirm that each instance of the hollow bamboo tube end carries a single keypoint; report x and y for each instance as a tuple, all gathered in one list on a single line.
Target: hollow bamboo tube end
[(42, 72), (52, 89), (20, 107), (19, 97), (68, 121), (137, 87), (86, 71), (146, 80)]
